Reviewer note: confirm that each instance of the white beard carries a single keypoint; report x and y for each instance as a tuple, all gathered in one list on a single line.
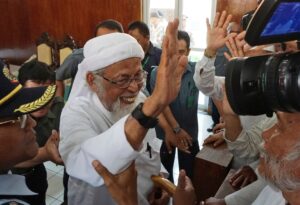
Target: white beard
[(119, 111)]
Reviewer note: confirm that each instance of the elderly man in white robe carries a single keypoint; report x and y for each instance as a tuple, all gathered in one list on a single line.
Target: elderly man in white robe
[(107, 118)]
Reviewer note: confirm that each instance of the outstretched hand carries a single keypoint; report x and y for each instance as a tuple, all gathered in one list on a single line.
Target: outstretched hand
[(217, 33), (123, 186), (184, 193), (170, 69)]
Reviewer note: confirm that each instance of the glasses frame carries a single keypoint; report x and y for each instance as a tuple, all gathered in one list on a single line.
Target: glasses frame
[(21, 119), (130, 80)]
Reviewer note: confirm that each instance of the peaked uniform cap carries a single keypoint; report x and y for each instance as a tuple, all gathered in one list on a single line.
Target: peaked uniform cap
[(16, 100)]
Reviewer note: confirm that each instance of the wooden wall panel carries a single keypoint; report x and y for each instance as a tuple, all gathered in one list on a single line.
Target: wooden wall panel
[(236, 7), (23, 21)]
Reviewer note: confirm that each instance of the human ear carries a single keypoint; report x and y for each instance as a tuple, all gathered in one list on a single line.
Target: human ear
[(90, 81)]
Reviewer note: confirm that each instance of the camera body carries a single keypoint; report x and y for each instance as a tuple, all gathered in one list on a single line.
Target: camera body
[(264, 84)]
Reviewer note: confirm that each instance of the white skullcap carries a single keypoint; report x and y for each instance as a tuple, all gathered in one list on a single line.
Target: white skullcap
[(100, 52)]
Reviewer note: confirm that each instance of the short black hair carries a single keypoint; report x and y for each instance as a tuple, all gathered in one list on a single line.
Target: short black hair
[(141, 26), (110, 24), (183, 35), (36, 71)]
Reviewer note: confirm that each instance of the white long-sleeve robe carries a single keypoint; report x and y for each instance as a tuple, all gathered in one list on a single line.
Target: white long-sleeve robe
[(88, 132)]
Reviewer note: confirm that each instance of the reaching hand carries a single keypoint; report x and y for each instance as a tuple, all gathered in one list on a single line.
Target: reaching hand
[(243, 177), (184, 141), (217, 33), (219, 127), (123, 186), (51, 148), (184, 193), (170, 69), (215, 139)]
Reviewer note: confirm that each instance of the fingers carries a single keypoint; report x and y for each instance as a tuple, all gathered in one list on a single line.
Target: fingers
[(218, 142), (168, 146), (216, 20), (181, 179), (106, 175), (172, 35), (233, 46), (190, 141), (237, 181), (222, 19), (227, 21), (227, 56), (164, 54), (208, 26), (241, 36), (58, 160), (245, 182), (235, 175), (209, 140), (181, 67), (218, 126), (230, 48)]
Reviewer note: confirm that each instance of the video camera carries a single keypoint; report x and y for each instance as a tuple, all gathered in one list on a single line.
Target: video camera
[(264, 84)]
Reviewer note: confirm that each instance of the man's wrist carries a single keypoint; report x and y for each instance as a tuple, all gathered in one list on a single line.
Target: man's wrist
[(176, 129), (144, 120), (151, 107)]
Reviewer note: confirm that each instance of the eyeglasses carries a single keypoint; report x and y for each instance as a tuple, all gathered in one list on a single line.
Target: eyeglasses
[(21, 119), (124, 81)]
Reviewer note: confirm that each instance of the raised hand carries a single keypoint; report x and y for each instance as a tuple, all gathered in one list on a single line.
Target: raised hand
[(217, 33), (184, 193), (169, 71), (123, 186)]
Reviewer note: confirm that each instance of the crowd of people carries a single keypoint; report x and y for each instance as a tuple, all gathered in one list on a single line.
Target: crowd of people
[(131, 105)]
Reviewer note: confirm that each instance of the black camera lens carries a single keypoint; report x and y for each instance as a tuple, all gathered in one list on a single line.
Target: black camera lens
[(263, 84)]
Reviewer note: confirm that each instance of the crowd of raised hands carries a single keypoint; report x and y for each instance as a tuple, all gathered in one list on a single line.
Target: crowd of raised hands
[(123, 186)]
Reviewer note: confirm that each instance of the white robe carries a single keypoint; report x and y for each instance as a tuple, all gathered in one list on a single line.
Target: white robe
[(256, 193), (88, 132), (269, 196)]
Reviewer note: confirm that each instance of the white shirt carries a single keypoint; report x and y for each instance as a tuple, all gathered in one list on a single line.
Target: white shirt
[(205, 79), (245, 147), (257, 193), (269, 196), (88, 132)]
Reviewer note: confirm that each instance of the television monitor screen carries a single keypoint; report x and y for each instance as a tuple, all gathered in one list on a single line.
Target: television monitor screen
[(274, 21)]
